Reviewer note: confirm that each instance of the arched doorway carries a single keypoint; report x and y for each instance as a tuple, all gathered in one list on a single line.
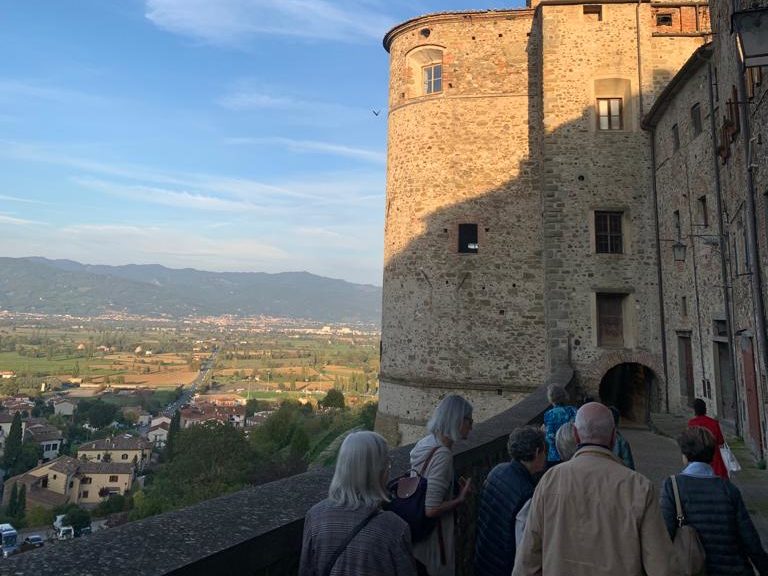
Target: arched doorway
[(629, 386)]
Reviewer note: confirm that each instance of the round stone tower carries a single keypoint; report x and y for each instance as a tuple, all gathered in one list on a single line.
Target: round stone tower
[(463, 303)]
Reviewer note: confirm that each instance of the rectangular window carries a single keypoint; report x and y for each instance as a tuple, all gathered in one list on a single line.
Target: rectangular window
[(703, 211), (610, 320), (125, 456), (433, 78), (85, 493), (721, 328), (675, 138), (696, 119), (684, 306), (113, 478), (593, 12), (677, 224), (663, 19), (609, 114), (608, 236), (468, 239)]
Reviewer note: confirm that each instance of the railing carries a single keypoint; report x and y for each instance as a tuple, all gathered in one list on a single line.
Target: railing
[(257, 531)]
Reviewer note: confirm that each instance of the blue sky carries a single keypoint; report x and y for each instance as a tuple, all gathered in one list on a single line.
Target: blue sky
[(229, 135)]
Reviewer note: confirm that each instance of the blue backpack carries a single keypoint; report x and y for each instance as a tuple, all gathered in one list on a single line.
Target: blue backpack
[(407, 495)]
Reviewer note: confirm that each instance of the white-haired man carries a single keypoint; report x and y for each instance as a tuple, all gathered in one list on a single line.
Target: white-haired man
[(594, 516)]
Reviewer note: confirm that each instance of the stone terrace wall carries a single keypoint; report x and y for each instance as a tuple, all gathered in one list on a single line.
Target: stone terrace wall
[(257, 531)]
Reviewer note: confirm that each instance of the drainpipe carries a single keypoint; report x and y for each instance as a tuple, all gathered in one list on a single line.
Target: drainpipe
[(752, 245), (662, 314), (724, 245)]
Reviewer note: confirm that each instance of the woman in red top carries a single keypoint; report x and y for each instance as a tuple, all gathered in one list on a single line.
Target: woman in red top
[(701, 419)]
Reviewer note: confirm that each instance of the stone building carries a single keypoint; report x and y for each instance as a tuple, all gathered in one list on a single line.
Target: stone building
[(711, 175), (520, 225)]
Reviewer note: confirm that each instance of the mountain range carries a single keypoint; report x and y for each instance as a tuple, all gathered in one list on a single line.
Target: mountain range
[(48, 286)]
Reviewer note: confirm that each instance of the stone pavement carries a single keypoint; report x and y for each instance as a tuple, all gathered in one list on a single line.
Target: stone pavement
[(657, 456)]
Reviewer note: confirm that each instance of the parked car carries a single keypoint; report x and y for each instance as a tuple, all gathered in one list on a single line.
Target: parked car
[(31, 542)]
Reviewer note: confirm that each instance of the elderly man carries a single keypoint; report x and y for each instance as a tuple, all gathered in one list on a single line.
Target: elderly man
[(592, 515)]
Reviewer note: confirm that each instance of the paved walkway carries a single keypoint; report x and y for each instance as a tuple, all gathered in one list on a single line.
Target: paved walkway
[(657, 456)]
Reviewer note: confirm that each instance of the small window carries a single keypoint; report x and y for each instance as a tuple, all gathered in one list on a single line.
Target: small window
[(721, 328), (608, 236), (468, 239), (433, 78), (609, 114), (675, 138), (124, 456), (85, 493), (71, 483), (663, 19), (684, 306), (54, 476), (677, 224), (113, 478), (696, 119), (610, 320), (703, 211), (98, 456), (593, 12)]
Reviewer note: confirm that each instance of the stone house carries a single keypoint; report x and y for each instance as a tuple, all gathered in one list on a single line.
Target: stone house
[(158, 434), (124, 449), (64, 407), (49, 438)]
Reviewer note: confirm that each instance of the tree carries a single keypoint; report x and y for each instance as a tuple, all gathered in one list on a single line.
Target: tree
[(13, 502), (368, 415), (173, 432), (333, 399), (77, 518), (21, 507), (13, 444)]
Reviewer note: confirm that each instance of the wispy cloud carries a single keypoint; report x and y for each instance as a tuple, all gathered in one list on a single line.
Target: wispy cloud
[(6, 219), (13, 88), (238, 22), (252, 100), (22, 200), (313, 146)]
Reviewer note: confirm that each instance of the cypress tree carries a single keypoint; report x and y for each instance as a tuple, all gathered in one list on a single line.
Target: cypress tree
[(13, 444), (13, 502), (173, 431), (21, 505)]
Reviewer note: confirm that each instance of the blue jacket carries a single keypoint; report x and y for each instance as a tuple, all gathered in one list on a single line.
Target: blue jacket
[(713, 506), (553, 419), (506, 489)]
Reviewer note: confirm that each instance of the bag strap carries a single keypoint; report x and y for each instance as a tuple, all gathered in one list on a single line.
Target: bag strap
[(349, 538), (678, 504), (428, 460)]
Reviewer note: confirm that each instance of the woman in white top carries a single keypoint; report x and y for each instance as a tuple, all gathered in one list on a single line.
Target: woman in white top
[(451, 421)]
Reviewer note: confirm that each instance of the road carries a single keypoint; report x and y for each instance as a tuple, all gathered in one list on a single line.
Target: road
[(205, 374)]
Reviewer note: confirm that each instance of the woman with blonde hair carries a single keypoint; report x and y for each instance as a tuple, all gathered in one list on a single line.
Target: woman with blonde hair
[(451, 421), (348, 534)]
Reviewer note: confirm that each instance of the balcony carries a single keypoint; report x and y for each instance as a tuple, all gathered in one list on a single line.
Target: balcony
[(258, 531)]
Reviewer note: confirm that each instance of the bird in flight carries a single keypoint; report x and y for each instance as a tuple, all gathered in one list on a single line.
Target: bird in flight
[(376, 112)]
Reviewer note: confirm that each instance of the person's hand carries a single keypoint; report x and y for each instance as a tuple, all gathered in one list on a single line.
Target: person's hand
[(466, 488)]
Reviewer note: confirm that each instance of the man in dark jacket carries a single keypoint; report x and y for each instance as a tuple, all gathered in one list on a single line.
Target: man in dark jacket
[(713, 506), (508, 487)]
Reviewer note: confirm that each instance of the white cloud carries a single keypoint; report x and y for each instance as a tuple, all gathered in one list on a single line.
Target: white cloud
[(12, 88), (22, 200), (238, 22), (251, 100), (316, 146), (6, 219)]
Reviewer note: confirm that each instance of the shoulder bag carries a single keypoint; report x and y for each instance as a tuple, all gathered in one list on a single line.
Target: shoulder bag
[(349, 538), (729, 459), (407, 495), (687, 543)]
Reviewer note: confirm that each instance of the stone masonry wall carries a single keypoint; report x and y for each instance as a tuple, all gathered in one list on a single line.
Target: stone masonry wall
[(586, 169), (461, 321), (694, 289)]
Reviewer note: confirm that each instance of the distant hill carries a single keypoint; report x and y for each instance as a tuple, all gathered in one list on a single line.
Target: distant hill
[(66, 287)]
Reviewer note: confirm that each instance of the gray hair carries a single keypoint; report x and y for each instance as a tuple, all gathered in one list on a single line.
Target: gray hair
[(360, 466), (449, 415), (594, 423), (524, 442), (556, 394), (565, 441)]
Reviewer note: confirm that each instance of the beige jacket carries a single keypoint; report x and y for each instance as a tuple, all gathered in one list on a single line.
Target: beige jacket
[(592, 516)]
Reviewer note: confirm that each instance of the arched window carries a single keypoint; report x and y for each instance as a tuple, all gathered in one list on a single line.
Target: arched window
[(425, 65)]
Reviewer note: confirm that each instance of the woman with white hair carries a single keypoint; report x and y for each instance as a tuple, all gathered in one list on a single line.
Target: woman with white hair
[(451, 421), (348, 534)]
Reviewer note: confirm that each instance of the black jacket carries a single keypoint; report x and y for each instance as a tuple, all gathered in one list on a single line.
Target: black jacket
[(506, 489), (713, 506)]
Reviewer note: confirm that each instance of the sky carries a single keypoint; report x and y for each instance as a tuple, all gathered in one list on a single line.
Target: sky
[(225, 135)]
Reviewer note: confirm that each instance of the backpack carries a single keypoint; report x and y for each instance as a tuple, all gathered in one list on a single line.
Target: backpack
[(407, 495)]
